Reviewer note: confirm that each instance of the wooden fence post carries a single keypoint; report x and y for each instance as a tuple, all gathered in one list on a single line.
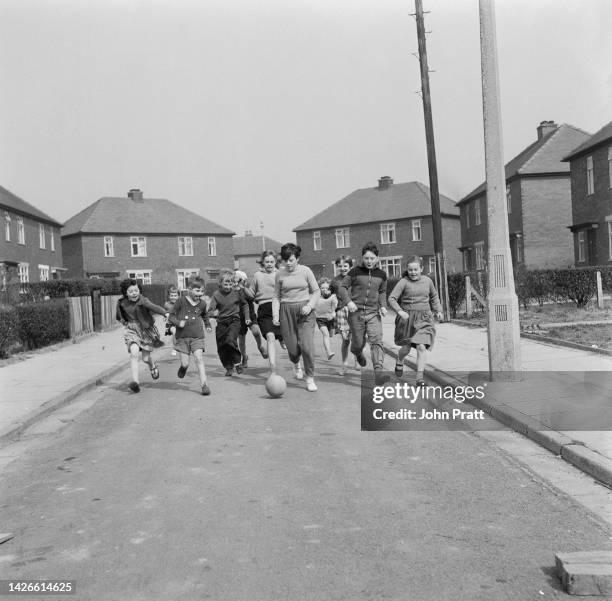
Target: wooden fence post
[(468, 297), (600, 303)]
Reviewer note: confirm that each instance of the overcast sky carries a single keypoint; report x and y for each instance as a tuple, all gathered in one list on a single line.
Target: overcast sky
[(267, 110)]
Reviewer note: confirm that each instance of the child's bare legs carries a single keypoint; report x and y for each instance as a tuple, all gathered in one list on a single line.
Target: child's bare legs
[(326, 342), (271, 340), (421, 360), (198, 357), (242, 347), (134, 358), (258, 340), (403, 353)]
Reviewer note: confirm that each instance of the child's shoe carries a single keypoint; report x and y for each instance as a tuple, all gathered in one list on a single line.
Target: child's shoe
[(310, 385), (361, 360), (330, 356), (240, 368), (229, 371), (298, 372), (134, 386), (244, 363), (182, 370), (205, 390)]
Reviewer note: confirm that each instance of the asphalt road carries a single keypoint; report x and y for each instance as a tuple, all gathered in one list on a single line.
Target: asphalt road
[(168, 495)]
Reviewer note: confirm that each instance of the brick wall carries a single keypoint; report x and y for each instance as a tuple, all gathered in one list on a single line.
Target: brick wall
[(30, 252), (162, 256), (546, 207), (321, 262), (72, 249)]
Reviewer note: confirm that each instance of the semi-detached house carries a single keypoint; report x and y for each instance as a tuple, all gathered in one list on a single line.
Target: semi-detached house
[(152, 240)]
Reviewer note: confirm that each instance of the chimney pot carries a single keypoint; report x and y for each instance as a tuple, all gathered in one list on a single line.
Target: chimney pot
[(248, 233), (136, 195), (545, 128), (384, 182)]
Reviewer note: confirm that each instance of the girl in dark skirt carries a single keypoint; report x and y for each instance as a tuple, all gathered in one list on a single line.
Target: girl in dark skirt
[(229, 304), (416, 302)]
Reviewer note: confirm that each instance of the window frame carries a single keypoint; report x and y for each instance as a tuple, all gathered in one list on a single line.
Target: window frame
[(610, 167), (590, 175), (212, 246), (185, 246), (23, 272), (141, 244), (581, 242), (508, 199), (21, 239), (7, 226), (467, 215), (43, 273), (146, 274), (609, 222), (343, 234), (479, 262), (416, 225), (431, 264), (389, 229), (42, 239), (52, 239), (181, 275), (108, 243), (383, 263), (477, 212), (316, 237)]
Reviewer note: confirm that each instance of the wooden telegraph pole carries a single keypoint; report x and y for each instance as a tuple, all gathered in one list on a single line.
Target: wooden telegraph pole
[(431, 161), (502, 303)]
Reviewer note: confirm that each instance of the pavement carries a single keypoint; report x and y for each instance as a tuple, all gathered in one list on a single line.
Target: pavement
[(562, 400)]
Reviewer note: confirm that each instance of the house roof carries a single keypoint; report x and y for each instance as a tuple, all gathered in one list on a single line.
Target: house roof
[(367, 205), (253, 245), (544, 156), (601, 137), (9, 201), (123, 215)]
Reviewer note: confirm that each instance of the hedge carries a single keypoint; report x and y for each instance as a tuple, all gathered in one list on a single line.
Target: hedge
[(9, 329), (41, 324)]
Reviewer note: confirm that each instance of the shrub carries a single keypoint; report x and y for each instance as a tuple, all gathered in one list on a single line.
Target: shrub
[(43, 323), (9, 329), (456, 291), (577, 285)]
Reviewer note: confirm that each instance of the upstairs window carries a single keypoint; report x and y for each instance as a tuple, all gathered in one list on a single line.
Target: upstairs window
[(343, 238), (609, 166), (7, 227), (139, 246), (590, 176), (41, 236), (109, 247), (52, 239), (467, 216), (212, 246), (477, 218), (20, 231), (316, 240), (509, 199), (185, 246), (387, 233), (416, 230)]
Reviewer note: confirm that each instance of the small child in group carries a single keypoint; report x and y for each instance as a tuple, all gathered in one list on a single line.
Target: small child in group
[(325, 312), (172, 295), (189, 315), (240, 283), (229, 303), (363, 290), (344, 264), (134, 311), (415, 300)]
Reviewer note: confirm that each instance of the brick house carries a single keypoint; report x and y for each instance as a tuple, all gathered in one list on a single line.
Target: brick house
[(397, 217), (591, 220), (30, 249), (538, 202), (248, 249), (150, 239)]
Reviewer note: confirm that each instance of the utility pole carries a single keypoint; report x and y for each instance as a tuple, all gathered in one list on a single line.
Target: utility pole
[(503, 331), (431, 161), (263, 238)]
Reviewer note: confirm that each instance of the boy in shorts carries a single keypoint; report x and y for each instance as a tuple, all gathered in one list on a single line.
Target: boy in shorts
[(189, 317)]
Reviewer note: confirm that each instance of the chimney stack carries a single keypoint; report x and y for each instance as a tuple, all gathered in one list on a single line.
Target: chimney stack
[(545, 128), (248, 233), (136, 195), (384, 182)]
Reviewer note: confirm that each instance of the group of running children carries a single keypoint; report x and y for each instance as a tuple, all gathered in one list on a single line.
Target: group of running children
[(290, 304)]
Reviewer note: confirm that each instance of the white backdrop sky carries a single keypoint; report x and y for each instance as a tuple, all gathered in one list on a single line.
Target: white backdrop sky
[(267, 110)]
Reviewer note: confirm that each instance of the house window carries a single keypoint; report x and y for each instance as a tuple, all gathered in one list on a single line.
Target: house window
[(185, 246), (316, 240), (24, 273), (7, 227), (518, 249), (432, 265), (142, 276), (387, 233), (52, 239), (184, 275), (610, 166), (581, 246), (139, 246), (466, 259), (109, 248), (392, 266), (610, 238), (41, 236), (477, 220), (479, 253), (212, 246), (43, 273), (416, 230), (590, 175), (343, 238), (509, 199), (467, 216), (20, 231)]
